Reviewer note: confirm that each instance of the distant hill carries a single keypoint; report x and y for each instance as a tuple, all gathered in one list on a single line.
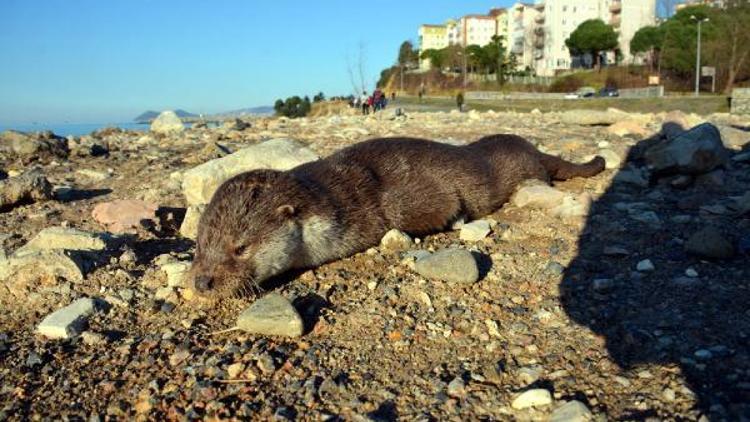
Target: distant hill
[(150, 115), (251, 111)]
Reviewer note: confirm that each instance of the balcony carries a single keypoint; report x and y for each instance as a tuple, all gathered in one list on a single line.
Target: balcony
[(616, 6), (539, 43), (539, 31), (539, 18), (615, 21)]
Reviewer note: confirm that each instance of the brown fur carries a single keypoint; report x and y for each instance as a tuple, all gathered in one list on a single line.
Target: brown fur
[(264, 222)]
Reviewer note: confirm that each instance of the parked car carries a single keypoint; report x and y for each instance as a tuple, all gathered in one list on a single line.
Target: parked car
[(609, 91), (584, 92)]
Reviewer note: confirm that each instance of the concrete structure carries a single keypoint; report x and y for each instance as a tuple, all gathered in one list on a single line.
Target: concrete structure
[(741, 101), (523, 20), (559, 18), (477, 29), (501, 23)]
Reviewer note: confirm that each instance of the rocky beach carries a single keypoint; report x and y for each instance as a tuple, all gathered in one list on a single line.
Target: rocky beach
[(619, 297)]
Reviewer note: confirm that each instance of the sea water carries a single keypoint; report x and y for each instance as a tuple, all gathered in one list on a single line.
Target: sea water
[(73, 129)]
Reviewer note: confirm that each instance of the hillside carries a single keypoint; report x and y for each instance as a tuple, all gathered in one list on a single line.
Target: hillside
[(150, 115)]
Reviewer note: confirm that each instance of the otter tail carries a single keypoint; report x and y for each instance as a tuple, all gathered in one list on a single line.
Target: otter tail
[(559, 169)]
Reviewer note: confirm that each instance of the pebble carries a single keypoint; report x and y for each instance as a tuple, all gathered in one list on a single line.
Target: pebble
[(703, 354), (538, 195), (451, 265), (554, 268), (176, 272), (532, 398), (645, 266), (475, 231), (457, 388), (572, 411), (395, 241), (67, 322), (691, 273), (271, 315)]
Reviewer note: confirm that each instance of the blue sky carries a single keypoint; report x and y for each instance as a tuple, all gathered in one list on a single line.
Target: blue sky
[(96, 61)]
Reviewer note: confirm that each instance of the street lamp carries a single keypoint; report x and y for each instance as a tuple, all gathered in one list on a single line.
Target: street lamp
[(698, 55)]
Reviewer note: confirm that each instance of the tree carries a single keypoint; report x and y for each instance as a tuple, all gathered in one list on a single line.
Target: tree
[(648, 39), (592, 37), (731, 52), (680, 37), (497, 60), (407, 55), (293, 107), (319, 97), (436, 57)]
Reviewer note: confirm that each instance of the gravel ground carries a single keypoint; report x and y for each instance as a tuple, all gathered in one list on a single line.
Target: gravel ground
[(563, 305)]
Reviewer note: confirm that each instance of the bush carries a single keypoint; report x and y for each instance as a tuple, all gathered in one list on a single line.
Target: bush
[(568, 83), (292, 107)]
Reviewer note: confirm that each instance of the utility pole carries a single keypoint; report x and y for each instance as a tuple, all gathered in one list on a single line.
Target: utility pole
[(698, 55)]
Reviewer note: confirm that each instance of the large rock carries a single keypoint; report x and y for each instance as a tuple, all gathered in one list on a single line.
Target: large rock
[(200, 183), (167, 122), (735, 138), (38, 145), (34, 267), (271, 315), (709, 243), (451, 265), (124, 215), (189, 227), (65, 238), (592, 117), (694, 152), (67, 322), (31, 186)]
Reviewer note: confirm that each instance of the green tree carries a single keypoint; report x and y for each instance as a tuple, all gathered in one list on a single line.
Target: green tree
[(293, 107), (593, 37), (407, 55), (436, 57), (648, 39), (497, 60), (680, 38), (319, 97), (730, 48)]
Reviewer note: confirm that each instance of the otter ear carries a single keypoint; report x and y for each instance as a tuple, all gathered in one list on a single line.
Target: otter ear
[(285, 211)]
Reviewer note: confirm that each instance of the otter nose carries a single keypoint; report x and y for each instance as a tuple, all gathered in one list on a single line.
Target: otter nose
[(203, 283)]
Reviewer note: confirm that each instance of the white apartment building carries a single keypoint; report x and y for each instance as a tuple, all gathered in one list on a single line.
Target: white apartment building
[(559, 18), (477, 29), (523, 20)]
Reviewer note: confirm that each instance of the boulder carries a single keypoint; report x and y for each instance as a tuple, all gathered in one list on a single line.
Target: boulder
[(34, 145), (65, 238), (694, 152), (31, 186), (167, 122), (200, 183)]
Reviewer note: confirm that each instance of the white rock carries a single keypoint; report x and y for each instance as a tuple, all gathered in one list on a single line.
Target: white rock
[(167, 122), (572, 411), (200, 183), (532, 398), (271, 315), (573, 206), (396, 240), (176, 272), (65, 238), (189, 227), (538, 196), (67, 322), (645, 266), (475, 231), (611, 158)]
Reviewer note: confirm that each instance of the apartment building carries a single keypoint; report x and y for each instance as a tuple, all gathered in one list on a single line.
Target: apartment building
[(523, 21), (501, 22), (477, 29), (431, 37), (558, 18)]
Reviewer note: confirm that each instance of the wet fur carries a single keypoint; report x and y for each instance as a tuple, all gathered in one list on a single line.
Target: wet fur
[(264, 222)]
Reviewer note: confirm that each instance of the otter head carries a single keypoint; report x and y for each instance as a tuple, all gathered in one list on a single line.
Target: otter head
[(248, 233)]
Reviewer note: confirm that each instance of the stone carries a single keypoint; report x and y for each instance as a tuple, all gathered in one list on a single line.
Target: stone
[(734, 138), (67, 322), (65, 238), (676, 122), (271, 315), (396, 241), (176, 273), (94, 175), (38, 145), (710, 243), (631, 176), (538, 196), (572, 207), (612, 159), (592, 117), (31, 186), (628, 127), (457, 388), (451, 265), (235, 124), (532, 398), (572, 411), (189, 227), (167, 122), (694, 152), (46, 265), (124, 215), (475, 231), (741, 101), (200, 183), (645, 266)]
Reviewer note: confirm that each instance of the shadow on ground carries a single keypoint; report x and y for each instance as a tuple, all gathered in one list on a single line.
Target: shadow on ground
[(688, 313)]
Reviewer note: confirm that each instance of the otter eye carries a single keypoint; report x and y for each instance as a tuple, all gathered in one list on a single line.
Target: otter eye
[(240, 250)]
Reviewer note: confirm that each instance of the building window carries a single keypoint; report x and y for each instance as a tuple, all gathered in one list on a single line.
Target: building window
[(565, 8), (564, 21)]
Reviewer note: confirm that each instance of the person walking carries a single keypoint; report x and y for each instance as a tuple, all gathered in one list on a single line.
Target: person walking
[(363, 100)]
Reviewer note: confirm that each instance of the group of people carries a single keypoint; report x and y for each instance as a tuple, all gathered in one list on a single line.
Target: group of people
[(375, 102)]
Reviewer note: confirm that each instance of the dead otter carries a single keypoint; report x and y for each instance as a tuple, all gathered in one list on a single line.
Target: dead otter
[(264, 222)]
